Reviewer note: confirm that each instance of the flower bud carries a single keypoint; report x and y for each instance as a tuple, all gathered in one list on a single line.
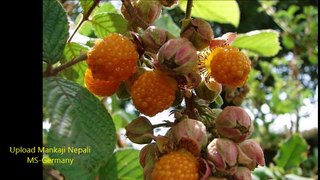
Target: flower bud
[(199, 32), (223, 153), (177, 55), (146, 9), (191, 128), (234, 123), (205, 93), (140, 130), (242, 173), (250, 149), (168, 3), (154, 37)]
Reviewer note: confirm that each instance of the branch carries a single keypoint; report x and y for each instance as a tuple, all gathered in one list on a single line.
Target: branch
[(190, 107), (84, 18), (188, 9), (55, 71), (166, 124), (135, 18)]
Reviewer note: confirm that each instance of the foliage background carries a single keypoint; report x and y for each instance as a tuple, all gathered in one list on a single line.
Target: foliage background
[(282, 83)]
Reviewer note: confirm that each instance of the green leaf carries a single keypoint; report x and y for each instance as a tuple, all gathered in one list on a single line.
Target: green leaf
[(123, 165), (263, 173), (121, 118), (226, 12), (73, 50), (292, 152), (86, 28), (104, 7), (55, 31), (263, 42), (296, 177), (166, 22), (78, 119), (86, 5), (105, 23), (76, 72)]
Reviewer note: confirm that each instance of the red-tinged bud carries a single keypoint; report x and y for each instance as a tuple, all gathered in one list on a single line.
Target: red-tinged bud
[(250, 149), (190, 128), (168, 3), (177, 56), (140, 130), (223, 153), (199, 32), (148, 10), (154, 37), (234, 123), (242, 173)]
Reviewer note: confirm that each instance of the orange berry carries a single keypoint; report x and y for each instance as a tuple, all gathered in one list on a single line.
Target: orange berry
[(228, 66), (177, 165), (113, 58), (100, 87), (153, 92)]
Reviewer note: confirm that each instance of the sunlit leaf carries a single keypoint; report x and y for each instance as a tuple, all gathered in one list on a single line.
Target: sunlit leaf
[(105, 23), (292, 152), (226, 12), (263, 42)]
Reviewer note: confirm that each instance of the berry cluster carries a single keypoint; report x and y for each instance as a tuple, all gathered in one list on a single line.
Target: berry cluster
[(159, 71)]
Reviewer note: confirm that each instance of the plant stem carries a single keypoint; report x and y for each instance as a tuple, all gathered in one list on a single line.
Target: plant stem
[(166, 124), (135, 18), (55, 71), (84, 18), (190, 107), (188, 9)]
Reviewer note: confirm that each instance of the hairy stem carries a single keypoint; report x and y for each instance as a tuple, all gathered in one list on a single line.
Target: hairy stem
[(188, 9), (84, 18), (55, 71)]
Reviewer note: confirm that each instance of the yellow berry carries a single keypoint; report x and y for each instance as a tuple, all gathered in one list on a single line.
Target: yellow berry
[(113, 58), (228, 66), (153, 92), (177, 165)]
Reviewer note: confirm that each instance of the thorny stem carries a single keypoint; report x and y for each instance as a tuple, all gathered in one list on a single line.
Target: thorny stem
[(55, 71), (84, 18), (188, 9), (135, 18)]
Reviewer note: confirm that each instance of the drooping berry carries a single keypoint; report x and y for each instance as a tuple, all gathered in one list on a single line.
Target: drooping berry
[(228, 66), (153, 92), (100, 87), (113, 58), (177, 165)]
